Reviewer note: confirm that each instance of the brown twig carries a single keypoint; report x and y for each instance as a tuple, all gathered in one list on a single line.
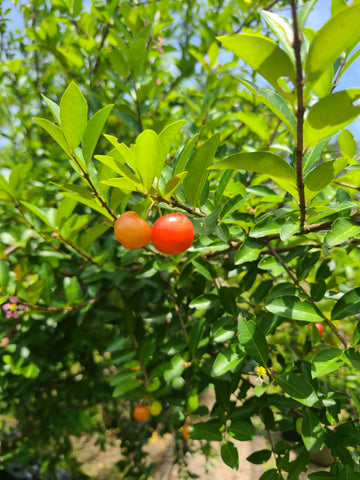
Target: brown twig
[(300, 116)]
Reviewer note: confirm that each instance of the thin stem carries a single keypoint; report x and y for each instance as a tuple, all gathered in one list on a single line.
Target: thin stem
[(300, 117), (176, 203), (94, 189), (302, 289)]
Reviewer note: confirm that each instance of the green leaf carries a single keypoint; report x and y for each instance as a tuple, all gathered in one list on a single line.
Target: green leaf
[(205, 226), (340, 33), (292, 307), (298, 388), (173, 184), (230, 455), (319, 177), (226, 361), (288, 229), (137, 53), (93, 131), (39, 213), (262, 55), (267, 226), (352, 358), (185, 154), (167, 137), (330, 114), (119, 168), (55, 132), (241, 430), (54, 108), (4, 276), (313, 154), (90, 203), (149, 160), (282, 28), (347, 143), (312, 432), (72, 289), (206, 431), (275, 103), (119, 62), (73, 115), (197, 168), (263, 162), (342, 229), (126, 386), (249, 251), (254, 341), (326, 361), (259, 457), (347, 305), (227, 299)]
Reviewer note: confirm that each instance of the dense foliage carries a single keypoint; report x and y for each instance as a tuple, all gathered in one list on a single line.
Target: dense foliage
[(144, 106)]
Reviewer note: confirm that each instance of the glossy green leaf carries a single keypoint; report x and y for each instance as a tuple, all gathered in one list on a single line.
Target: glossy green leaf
[(168, 135), (126, 386), (225, 361), (263, 162), (330, 114), (293, 308), (91, 234), (149, 161), (338, 34), (93, 131), (341, 230), (347, 305), (320, 176), (326, 361), (253, 340), (55, 132), (249, 251), (312, 432), (298, 388), (230, 455), (197, 168), (347, 143), (262, 55), (73, 115)]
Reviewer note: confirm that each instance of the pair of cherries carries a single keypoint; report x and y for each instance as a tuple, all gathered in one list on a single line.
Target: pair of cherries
[(170, 234)]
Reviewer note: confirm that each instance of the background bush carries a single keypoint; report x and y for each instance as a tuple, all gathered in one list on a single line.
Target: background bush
[(247, 150)]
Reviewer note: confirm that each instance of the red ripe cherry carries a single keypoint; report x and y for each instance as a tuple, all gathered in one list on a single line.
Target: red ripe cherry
[(132, 231), (319, 326), (172, 234)]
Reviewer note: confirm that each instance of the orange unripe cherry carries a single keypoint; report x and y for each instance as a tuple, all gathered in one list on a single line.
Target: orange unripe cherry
[(185, 429), (141, 412), (132, 231), (173, 233)]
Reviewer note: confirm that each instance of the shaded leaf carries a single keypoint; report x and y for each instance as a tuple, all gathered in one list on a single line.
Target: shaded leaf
[(253, 340), (230, 455), (93, 131)]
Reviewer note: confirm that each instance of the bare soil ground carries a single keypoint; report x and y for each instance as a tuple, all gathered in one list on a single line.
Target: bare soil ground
[(102, 465)]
